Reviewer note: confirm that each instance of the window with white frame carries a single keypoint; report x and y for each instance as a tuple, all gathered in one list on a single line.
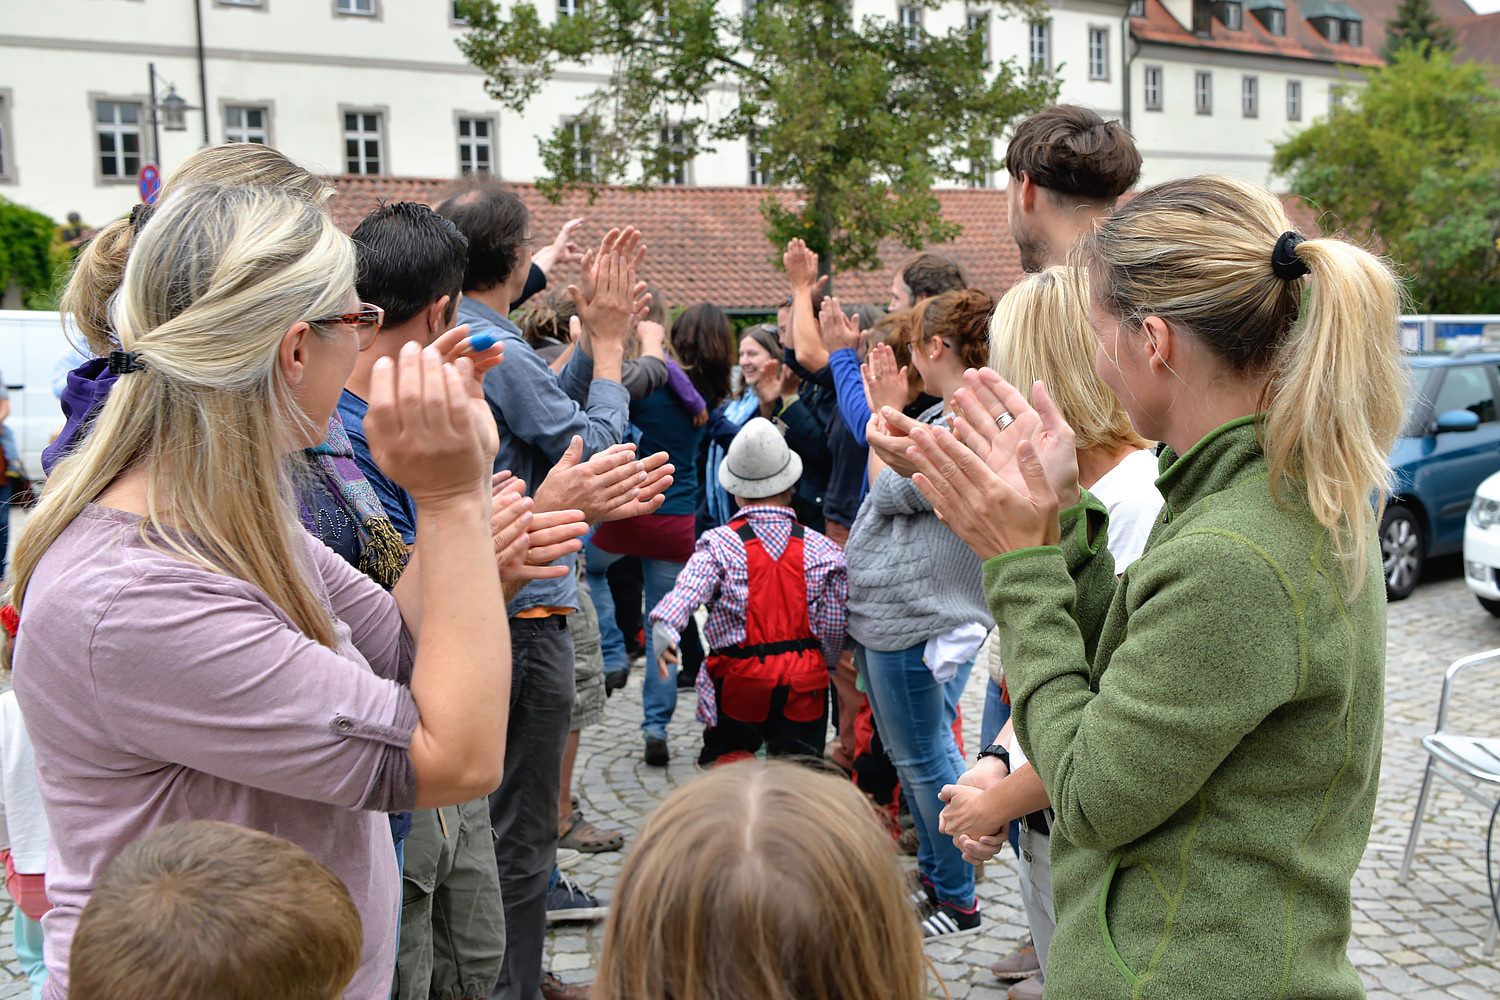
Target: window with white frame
[(1335, 97), (675, 139), (1152, 78), (1233, 16), (979, 174), (5, 153), (576, 133), (1040, 55), (117, 124), (239, 3), (910, 17), (455, 15), (1203, 92), (760, 165), (476, 148), (977, 22), (362, 142), (244, 123), (362, 7), (1098, 53), (1276, 22), (569, 8), (1250, 96), (1294, 100), (1353, 32), (1137, 8)]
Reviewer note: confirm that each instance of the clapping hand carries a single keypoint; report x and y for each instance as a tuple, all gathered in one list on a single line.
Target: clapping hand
[(527, 543), (802, 267), (885, 384), (989, 480), (562, 249), (609, 486), (839, 330)]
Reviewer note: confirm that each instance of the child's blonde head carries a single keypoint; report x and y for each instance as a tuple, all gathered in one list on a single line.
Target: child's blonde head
[(761, 881)]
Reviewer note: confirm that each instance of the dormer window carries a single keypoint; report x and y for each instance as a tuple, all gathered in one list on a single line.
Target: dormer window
[(1270, 13), (1230, 15), (1352, 33), (1137, 8), (1335, 20)]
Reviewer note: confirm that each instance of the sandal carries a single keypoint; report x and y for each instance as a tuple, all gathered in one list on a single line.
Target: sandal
[(581, 835)]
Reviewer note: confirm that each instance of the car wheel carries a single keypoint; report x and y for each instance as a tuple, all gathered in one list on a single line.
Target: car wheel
[(1402, 551), (1493, 607)]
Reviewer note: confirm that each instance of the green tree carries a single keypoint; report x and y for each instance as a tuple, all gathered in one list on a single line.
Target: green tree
[(1416, 25), (1412, 161), (865, 118), (31, 255)]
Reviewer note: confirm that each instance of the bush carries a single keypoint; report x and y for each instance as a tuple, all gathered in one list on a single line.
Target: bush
[(31, 255)]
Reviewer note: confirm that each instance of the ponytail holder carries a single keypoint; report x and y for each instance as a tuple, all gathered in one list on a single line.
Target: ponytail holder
[(10, 620), (125, 362), (138, 216), (1284, 260)]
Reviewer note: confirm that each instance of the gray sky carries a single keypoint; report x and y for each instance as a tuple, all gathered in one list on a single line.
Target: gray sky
[(1485, 6)]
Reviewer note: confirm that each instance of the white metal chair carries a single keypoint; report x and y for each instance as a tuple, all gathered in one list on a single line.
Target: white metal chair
[(1469, 763)]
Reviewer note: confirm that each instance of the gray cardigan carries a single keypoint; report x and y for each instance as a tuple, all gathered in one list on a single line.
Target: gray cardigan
[(910, 577)]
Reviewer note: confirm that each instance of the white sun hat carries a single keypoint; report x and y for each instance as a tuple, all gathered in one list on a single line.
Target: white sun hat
[(759, 464)]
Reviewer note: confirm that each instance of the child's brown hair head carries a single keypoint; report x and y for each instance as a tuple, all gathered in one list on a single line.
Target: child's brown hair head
[(762, 880), (209, 909)]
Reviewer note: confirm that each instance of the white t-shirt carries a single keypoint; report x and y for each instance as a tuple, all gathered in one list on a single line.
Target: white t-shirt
[(23, 824), (1129, 493)]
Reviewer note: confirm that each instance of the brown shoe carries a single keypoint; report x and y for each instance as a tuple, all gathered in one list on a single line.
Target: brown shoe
[(1027, 989), (1019, 964), (555, 989)]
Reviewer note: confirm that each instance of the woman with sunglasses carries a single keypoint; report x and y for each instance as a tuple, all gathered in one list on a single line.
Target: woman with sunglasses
[(186, 650)]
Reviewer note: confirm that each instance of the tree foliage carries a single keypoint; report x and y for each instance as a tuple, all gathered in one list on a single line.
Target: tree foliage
[(1418, 26), (31, 255), (863, 117), (1413, 161)]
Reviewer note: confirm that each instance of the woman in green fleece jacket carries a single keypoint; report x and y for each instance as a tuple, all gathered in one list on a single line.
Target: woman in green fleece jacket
[(1208, 727)]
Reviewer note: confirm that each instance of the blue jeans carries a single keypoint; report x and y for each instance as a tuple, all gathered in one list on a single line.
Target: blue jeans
[(915, 713), (658, 697), (611, 640)]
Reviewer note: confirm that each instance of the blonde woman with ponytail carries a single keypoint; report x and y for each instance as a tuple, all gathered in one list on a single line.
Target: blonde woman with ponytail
[(1208, 726), (186, 650)]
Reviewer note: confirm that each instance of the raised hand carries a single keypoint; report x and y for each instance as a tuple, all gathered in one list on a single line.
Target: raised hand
[(562, 249), (422, 431), (885, 384), (607, 313), (802, 267), (839, 330), (982, 405), (483, 351)]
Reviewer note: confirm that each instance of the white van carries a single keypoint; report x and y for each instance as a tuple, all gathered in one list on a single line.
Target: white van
[(32, 346)]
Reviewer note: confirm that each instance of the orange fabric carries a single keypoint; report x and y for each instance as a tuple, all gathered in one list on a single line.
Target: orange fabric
[(542, 612)]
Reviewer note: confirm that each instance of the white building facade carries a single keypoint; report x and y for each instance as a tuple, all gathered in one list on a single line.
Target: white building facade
[(379, 86)]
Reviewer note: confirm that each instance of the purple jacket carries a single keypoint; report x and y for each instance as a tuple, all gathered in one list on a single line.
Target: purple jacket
[(88, 388)]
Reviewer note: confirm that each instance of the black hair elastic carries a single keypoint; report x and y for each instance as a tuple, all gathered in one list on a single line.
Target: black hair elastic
[(125, 362), (1284, 260), (138, 216)]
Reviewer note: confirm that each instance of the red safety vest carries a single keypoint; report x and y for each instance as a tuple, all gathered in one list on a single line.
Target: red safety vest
[(780, 649)]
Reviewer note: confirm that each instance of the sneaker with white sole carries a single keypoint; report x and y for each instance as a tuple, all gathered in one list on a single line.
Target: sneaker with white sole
[(923, 895), (567, 857), (949, 921), (567, 901)]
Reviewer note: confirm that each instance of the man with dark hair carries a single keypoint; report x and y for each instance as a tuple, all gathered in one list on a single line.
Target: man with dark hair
[(411, 264), (1067, 168), (537, 414), (924, 275)]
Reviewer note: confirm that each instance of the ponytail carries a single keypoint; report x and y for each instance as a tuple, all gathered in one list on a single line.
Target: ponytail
[(1336, 398), (96, 276)]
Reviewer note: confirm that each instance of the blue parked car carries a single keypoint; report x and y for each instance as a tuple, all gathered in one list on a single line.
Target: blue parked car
[(1450, 443)]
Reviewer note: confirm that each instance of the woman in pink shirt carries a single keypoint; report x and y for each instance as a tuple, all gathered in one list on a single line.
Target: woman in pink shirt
[(186, 650)]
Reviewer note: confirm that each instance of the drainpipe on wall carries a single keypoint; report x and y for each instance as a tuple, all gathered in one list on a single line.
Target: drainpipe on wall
[(1129, 52), (202, 73)]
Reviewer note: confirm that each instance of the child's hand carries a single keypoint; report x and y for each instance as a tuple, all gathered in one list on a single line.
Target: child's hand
[(668, 656)]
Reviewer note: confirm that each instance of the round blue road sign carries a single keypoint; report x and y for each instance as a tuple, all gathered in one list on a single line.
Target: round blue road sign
[(149, 182)]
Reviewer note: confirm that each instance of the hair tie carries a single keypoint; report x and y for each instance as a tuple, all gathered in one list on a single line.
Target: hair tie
[(10, 620), (1284, 260), (125, 362), (138, 216)]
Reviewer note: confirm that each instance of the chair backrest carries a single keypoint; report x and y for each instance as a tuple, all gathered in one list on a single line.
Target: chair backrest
[(1454, 669)]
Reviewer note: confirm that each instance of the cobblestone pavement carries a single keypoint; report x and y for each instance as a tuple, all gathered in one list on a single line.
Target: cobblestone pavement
[(1416, 942)]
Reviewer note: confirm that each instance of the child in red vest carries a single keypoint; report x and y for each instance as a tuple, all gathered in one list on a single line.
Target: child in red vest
[(776, 594)]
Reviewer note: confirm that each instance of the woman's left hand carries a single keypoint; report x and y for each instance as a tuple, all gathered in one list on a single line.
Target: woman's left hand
[(886, 434), (964, 813), (991, 515)]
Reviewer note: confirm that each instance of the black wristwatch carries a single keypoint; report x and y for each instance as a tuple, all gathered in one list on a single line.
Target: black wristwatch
[(996, 750)]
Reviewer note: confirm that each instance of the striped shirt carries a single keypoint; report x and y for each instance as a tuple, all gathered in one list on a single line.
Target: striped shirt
[(718, 575)]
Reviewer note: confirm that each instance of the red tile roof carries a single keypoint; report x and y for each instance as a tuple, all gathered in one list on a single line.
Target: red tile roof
[(1479, 39), (709, 243), (1300, 41)]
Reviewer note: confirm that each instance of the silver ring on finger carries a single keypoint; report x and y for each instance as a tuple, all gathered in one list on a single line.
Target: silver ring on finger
[(1004, 420)]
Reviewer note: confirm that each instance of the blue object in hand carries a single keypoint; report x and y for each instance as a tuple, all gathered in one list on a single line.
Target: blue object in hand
[(481, 342)]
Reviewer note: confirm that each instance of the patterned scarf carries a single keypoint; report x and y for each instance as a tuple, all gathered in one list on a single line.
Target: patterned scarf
[(382, 552)]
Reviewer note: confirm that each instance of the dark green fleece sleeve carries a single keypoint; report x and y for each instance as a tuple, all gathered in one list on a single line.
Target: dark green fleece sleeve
[(1200, 647)]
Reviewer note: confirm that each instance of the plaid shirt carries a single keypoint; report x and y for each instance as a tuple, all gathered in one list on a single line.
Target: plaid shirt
[(718, 575)]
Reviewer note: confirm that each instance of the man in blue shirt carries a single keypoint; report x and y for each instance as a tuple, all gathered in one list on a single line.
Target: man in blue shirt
[(537, 414)]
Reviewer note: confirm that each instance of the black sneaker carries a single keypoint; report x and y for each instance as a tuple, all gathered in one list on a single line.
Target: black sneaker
[(656, 751), (948, 921), (923, 895), (567, 900)]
